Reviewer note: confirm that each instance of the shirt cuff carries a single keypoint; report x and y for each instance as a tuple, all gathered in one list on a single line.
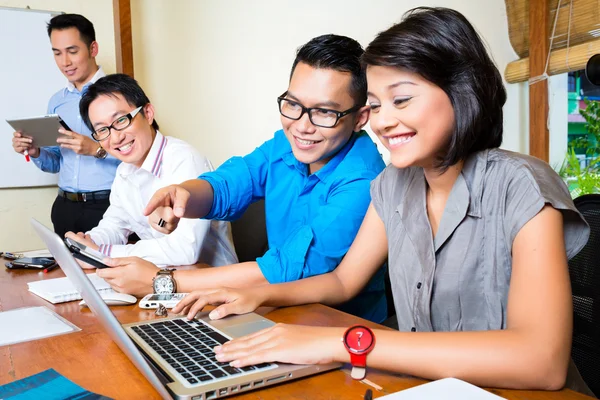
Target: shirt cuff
[(287, 263), (106, 249), (118, 250), (39, 161)]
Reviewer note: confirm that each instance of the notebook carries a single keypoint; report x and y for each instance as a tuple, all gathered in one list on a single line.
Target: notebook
[(60, 290), (48, 384)]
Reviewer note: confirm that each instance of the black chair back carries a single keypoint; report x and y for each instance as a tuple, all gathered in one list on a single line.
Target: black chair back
[(250, 233), (584, 270)]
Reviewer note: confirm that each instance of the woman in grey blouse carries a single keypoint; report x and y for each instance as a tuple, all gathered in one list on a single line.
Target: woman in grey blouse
[(477, 238)]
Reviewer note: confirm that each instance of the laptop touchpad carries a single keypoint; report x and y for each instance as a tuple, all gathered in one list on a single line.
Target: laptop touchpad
[(246, 329), (242, 325)]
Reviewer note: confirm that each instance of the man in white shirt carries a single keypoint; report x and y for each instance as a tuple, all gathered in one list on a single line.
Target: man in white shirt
[(121, 118)]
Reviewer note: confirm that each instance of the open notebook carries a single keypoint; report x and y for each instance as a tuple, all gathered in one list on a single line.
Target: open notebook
[(60, 290)]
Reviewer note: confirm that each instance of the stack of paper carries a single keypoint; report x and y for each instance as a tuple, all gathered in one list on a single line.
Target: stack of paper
[(31, 323), (60, 290)]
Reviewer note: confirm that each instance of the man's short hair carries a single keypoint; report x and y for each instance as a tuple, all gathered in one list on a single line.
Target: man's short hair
[(111, 85), (339, 53), (79, 22)]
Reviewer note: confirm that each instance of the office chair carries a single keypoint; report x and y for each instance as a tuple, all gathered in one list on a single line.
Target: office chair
[(584, 270), (250, 233)]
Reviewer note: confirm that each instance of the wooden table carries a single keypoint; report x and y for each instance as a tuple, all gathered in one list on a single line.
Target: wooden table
[(92, 360)]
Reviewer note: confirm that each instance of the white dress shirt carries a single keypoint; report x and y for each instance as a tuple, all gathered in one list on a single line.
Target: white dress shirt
[(170, 161)]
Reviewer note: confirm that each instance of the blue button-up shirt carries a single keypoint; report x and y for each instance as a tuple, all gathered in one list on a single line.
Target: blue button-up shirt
[(311, 219), (77, 173)]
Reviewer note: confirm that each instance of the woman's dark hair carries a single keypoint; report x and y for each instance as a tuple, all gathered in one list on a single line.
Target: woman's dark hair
[(79, 22), (111, 85), (339, 53), (442, 46)]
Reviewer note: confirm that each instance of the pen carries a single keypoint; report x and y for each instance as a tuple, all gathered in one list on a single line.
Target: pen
[(26, 153), (50, 268), (368, 395)]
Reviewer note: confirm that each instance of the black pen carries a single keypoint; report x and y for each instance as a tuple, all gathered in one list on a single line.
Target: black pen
[(368, 395), (50, 268)]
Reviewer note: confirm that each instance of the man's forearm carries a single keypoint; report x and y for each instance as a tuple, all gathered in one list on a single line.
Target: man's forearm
[(201, 198), (235, 276)]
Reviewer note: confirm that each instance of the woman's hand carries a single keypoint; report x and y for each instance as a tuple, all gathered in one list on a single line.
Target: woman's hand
[(232, 301), (294, 344)]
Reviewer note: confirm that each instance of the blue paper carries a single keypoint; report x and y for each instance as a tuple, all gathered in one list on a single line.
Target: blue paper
[(47, 385)]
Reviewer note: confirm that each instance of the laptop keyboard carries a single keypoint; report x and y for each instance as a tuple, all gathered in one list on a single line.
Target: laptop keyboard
[(187, 347)]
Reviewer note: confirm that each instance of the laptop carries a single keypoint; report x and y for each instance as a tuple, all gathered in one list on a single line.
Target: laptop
[(174, 354)]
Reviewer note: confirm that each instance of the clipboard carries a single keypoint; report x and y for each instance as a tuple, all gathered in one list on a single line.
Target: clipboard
[(43, 129)]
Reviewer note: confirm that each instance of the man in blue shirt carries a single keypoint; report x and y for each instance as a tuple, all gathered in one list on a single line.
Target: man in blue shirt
[(85, 172), (314, 176)]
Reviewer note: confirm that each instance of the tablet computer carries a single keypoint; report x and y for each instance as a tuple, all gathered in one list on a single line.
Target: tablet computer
[(43, 129)]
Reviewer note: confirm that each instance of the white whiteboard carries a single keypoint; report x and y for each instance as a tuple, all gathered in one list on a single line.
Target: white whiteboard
[(28, 78)]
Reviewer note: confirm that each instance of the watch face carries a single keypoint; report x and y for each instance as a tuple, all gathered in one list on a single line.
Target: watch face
[(163, 284), (359, 339)]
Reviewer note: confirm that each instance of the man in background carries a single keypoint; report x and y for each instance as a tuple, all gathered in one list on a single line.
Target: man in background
[(85, 172)]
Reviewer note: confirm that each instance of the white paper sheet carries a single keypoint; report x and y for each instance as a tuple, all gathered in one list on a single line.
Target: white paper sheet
[(31, 323), (37, 253), (443, 389)]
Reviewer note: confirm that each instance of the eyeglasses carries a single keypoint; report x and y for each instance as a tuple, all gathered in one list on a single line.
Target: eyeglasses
[(322, 117), (118, 125)]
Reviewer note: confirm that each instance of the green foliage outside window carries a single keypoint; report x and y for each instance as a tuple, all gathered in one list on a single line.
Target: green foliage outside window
[(584, 179)]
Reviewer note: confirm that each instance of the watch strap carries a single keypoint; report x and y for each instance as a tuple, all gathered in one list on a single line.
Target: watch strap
[(358, 373), (358, 360), (166, 271)]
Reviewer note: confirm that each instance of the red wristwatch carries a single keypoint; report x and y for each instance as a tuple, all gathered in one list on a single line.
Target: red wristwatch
[(359, 341)]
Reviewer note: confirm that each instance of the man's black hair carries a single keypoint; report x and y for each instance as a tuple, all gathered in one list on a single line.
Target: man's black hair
[(79, 22), (339, 53), (111, 85)]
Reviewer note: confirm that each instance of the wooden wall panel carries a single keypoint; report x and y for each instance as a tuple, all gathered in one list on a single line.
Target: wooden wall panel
[(539, 140), (123, 43)]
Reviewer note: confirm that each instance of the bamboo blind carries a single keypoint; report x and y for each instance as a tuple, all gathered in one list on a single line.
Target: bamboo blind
[(583, 36)]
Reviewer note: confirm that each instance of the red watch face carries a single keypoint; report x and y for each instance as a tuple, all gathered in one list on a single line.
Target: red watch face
[(359, 339)]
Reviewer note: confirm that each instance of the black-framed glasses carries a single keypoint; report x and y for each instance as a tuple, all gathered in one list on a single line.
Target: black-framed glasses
[(118, 125), (318, 116)]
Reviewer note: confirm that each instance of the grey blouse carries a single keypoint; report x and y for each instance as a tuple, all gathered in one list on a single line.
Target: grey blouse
[(459, 280)]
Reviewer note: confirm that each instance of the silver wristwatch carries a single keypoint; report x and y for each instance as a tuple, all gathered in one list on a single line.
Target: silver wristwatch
[(100, 153), (163, 282)]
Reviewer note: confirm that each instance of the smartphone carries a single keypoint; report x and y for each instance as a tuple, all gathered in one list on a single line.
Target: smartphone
[(31, 263), (85, 254), (167, 300)]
